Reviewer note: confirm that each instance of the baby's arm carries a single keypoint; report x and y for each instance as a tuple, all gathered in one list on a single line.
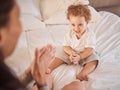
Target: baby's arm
[(86, 53), (68, 50)]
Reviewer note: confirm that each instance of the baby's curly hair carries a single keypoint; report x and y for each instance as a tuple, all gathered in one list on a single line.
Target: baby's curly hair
[(79, 10)]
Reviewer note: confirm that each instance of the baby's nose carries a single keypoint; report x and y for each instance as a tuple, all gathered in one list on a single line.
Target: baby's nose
[(76, 28)]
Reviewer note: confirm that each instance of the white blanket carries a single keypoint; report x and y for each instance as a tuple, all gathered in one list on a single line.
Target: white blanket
[(107, 74)]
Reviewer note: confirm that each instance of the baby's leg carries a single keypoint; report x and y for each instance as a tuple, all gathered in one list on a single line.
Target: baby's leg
[(54, 64), (87, 69), (75, 85)]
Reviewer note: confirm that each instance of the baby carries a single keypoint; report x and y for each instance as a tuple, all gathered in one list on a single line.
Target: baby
[(79, 44)]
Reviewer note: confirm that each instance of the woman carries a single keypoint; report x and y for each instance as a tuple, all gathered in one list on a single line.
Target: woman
[(10, 30)]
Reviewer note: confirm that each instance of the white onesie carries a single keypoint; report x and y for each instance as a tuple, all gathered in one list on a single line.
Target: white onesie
[(86, 40)]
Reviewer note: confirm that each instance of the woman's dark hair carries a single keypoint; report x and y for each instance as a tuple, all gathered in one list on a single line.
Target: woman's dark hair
[(7, 80), (5, 8)]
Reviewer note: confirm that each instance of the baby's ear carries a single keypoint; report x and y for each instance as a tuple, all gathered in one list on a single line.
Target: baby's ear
[(87, 21)]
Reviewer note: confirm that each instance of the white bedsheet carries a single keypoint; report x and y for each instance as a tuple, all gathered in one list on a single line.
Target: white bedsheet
[(107, 74)]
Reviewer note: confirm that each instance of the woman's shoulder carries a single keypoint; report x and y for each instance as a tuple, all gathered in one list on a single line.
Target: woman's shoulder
[(7, 79)]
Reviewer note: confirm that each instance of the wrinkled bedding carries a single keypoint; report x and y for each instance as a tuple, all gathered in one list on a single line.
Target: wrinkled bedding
[(107, 74)]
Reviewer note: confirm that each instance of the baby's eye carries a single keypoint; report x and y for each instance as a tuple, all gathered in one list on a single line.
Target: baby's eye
[(73, 24), (80, 24)]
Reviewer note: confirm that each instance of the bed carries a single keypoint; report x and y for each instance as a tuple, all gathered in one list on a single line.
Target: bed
[(43, 25)]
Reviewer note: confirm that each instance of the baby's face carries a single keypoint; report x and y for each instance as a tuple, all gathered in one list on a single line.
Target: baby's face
[(78, 25)]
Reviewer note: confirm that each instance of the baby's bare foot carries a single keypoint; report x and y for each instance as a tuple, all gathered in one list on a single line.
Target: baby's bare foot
[(82, 76), (48, 71), (79, 77)]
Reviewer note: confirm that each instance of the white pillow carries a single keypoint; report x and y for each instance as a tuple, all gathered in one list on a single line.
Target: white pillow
[(49, 8), (28, 7)]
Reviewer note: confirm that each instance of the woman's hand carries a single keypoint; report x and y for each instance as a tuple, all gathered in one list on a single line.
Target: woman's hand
[(42, 58)]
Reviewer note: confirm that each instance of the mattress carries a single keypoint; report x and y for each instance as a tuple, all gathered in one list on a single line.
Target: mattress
[(106, 76), (107, 31)]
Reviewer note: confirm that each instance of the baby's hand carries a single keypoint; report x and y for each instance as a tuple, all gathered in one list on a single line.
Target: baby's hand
[(71, 56), (75, 58)]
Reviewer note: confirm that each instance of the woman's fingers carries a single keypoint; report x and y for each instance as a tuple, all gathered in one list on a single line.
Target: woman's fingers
[(50, 53), (50, 50), (41, 51), (43, 57), (38, 71)]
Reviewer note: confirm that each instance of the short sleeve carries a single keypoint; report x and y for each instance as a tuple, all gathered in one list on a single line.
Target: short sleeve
[(90, 40)]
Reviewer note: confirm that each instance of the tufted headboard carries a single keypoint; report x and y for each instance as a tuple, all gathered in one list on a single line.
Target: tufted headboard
[(106, 5)]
